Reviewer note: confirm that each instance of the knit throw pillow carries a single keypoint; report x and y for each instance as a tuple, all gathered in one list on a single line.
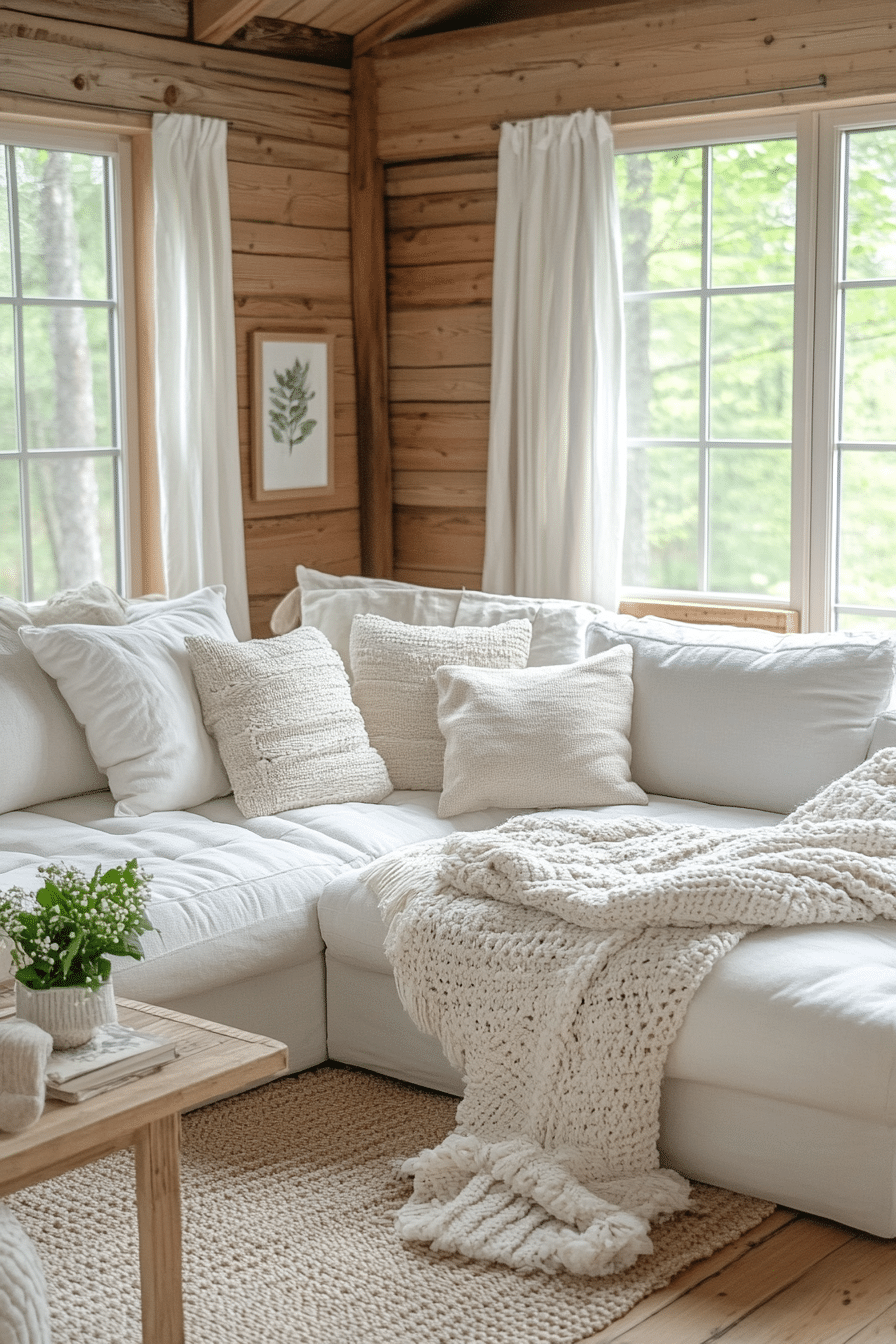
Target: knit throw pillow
[(282, 715), (543, 737), (393, 667)]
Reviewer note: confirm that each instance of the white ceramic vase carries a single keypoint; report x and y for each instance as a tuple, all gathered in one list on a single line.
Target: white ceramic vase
[(71, 1016)]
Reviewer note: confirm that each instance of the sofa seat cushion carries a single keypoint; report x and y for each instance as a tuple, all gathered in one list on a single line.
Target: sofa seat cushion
[(804, 1015), (350, 922), (226, 904), (231, 897)]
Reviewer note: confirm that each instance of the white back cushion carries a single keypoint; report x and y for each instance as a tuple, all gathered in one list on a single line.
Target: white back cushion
[(559, 629), (317, 578), (132, 689), (747, 718), (43, 747), (884, 734), (332, 610)]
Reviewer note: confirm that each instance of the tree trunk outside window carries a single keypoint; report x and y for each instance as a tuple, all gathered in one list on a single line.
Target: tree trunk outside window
[(68, 488)]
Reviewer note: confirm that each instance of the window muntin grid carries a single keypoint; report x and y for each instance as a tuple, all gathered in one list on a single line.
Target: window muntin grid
[(706, 533), (40, 471)]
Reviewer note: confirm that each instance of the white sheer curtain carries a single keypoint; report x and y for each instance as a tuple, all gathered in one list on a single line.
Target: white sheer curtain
[(196, 403), (556, 467)]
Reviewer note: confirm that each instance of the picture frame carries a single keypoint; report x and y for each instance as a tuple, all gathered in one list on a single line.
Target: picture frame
[(293, 423)]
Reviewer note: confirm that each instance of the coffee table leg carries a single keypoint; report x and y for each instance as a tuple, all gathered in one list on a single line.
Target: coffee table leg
[(158, 1215)]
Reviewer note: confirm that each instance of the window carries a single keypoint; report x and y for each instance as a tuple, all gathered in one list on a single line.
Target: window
[(62, 403), (760, 275)]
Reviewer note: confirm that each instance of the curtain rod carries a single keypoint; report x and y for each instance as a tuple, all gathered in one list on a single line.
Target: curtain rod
[(820, 83)]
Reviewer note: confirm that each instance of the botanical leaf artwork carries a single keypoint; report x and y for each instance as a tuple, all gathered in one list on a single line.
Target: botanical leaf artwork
[(289, 405)]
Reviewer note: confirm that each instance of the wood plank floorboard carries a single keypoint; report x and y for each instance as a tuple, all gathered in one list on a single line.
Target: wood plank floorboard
[(791, 1280)]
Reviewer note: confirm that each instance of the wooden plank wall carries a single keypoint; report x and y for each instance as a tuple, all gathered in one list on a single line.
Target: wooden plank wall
[(441, 220), (439, 100), (288, 166), (289, 211)]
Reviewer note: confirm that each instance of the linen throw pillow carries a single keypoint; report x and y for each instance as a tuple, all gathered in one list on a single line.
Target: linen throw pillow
[(394, 689), (542, 737), (282, 713), (131, 688)]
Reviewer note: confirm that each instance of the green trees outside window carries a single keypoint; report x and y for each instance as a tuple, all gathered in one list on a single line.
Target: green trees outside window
[(59, 420), (714, 298)]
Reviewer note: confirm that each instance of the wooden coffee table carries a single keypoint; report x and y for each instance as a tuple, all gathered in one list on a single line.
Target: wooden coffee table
[(144, 1115)]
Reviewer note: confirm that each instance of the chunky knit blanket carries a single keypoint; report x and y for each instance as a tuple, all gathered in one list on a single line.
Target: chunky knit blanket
[(554, 957)]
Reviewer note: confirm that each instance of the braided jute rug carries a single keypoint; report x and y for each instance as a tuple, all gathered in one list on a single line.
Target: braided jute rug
[(288, 1198)]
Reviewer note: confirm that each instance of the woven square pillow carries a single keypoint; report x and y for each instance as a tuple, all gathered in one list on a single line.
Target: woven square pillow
[(287, 729), (393, 666), (543, 737)]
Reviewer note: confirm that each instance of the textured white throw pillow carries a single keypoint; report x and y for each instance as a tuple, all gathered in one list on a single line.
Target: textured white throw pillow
[(542, 737), (282, 713), (745, 718), (131, 688), (395, 690)]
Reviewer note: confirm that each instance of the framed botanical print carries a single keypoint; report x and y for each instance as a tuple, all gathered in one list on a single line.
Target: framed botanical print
[(292, 427)]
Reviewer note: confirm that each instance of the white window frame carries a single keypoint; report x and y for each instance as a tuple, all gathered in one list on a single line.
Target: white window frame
[(90, 140), (817, 243)]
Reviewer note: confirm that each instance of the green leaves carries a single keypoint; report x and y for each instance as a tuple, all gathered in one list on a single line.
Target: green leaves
[(289, 405), (69, 957), (63, 934)]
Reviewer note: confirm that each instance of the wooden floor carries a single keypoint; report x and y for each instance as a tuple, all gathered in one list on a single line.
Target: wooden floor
[(792, 1280)]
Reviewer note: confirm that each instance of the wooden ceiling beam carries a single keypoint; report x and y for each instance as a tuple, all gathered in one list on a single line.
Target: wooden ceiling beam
[(411, 14), (216, 20), (295, 41)]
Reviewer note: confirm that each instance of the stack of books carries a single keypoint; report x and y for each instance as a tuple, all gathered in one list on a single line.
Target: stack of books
[(114, 1055)]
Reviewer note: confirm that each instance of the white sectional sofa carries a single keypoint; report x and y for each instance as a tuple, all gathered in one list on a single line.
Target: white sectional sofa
[(783, 1081)]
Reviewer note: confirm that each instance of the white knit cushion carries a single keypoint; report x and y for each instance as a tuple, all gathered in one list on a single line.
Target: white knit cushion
[(744, 718), (395, 691), (332, 610), (288, 731), (24, 1314), (543, 737), (132, 689)]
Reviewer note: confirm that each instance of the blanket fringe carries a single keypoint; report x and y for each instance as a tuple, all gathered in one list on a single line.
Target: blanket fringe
[(398, 878), (513, 1203)]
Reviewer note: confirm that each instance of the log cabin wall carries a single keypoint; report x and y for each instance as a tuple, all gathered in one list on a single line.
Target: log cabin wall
[(441, 238), (439, 98), (288, 167)]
